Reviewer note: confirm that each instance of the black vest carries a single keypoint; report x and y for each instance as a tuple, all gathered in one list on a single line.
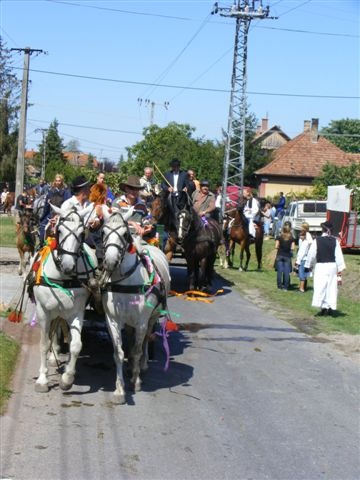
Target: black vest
[(325, 249)]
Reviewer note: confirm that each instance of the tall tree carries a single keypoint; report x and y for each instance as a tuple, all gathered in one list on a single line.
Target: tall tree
[(344, 133), (53, 145), (10, 88), (73, 146), (160, 145)]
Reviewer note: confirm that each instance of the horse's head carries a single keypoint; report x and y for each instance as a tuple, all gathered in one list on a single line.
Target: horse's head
[(184, 219), (70, 233), (116, 239)]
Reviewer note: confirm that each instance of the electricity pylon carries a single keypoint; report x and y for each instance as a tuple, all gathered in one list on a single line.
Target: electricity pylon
[(234, 162)]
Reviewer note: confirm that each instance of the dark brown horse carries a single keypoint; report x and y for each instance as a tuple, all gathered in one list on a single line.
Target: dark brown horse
[(200, 239), (236, 231)]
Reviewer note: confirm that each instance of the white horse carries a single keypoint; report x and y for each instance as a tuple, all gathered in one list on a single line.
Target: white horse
[(135, 285), (61, 291)]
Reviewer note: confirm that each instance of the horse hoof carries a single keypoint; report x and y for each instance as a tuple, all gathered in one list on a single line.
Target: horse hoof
[(41, 387), (119, 399), (65, 386)]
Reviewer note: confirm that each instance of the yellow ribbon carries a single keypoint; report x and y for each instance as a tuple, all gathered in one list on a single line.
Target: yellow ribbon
[(198, 296)]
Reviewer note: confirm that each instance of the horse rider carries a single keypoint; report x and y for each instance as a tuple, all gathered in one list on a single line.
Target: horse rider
[(178, 185), (23, 205), (56, 195), (148, 183), (41, 188), (204, 200), (251, 210), (100, 180), (131, 199)]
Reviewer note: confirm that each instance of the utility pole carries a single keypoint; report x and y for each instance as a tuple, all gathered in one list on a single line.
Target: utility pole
[(20, 165), (151, 104), (43, 159), (234, 162)]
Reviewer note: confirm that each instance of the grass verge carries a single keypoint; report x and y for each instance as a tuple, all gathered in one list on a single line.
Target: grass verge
[(9, 352), (7, 231), (293, 306)]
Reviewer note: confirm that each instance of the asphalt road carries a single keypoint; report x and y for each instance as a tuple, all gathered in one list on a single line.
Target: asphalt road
[(246, 396)]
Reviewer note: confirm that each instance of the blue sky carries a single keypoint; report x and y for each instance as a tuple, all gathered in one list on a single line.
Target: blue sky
[(311, 49)]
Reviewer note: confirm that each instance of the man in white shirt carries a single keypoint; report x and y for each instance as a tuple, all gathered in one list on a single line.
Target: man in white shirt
[(251, 209), (81, 188)]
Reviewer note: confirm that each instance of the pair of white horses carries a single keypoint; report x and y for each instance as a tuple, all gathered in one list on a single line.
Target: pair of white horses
[(134, 286)]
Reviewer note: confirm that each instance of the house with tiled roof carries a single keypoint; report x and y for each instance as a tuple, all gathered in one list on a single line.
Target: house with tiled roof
[(78, 159), (270, 138), (298, 162)]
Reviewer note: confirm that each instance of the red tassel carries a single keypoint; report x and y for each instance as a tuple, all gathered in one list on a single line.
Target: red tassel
[(36, 266), (171, 326), (131, 248), (15, 316)]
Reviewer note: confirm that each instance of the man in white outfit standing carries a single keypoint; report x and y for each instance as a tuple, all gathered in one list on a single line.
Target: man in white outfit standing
[(325, 252)]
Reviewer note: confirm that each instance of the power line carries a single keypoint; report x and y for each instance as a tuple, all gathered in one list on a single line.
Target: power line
[(203, 89), (193, 19), (90, 127), (118, 10)]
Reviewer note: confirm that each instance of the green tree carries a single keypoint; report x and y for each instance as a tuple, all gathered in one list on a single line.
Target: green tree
[(53, 146), (344, 133), (9, 110), (90, 161), (333, 175), (73, 146), (160, 145)]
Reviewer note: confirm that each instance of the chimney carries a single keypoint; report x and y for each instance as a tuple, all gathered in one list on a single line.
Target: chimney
[(307, 125), (314, 130), (264, 124)]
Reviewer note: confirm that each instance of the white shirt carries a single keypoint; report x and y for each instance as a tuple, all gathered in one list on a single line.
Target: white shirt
[(250, 212), (339, 257), (74, 202), (176, 178)]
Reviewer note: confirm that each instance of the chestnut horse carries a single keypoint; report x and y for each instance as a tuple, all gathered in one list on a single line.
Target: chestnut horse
[(25, 240), (236, 231), (161, 214)]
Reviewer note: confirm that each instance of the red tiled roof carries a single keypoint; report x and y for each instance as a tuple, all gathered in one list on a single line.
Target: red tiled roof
[(303, 158)]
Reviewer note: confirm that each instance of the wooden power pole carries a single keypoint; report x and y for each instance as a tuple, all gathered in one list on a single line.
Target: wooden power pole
[(20, 164)]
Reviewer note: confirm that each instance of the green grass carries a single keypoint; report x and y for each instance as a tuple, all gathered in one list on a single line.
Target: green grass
[(9, 351), (292, 306), (7, 231)]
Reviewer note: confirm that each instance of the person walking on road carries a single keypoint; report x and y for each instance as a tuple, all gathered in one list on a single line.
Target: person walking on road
[(326, 254)]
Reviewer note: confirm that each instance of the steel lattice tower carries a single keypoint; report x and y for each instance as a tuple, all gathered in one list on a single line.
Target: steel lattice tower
[(234, 162)]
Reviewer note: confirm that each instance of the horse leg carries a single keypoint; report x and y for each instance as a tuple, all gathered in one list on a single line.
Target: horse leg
[(114, 329), (41, 384), (21, 262), (145, 351), (67, 378), (258, 247), (137, 350), (244, 246), (202, 274)]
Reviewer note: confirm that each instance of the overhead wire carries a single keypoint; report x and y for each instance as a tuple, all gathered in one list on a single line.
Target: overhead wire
[(203, 89)]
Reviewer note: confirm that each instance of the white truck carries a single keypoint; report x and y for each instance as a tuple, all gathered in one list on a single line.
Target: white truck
[(312, 212)]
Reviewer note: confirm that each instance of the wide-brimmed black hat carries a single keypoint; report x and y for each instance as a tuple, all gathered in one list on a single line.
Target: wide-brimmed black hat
[(79, 182), (204, 183), (174, 162), (327, 225), (133, 182)]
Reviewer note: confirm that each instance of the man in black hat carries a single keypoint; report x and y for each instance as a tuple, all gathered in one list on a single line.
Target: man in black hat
[(178, 185), (80, 188), (325, 252)]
